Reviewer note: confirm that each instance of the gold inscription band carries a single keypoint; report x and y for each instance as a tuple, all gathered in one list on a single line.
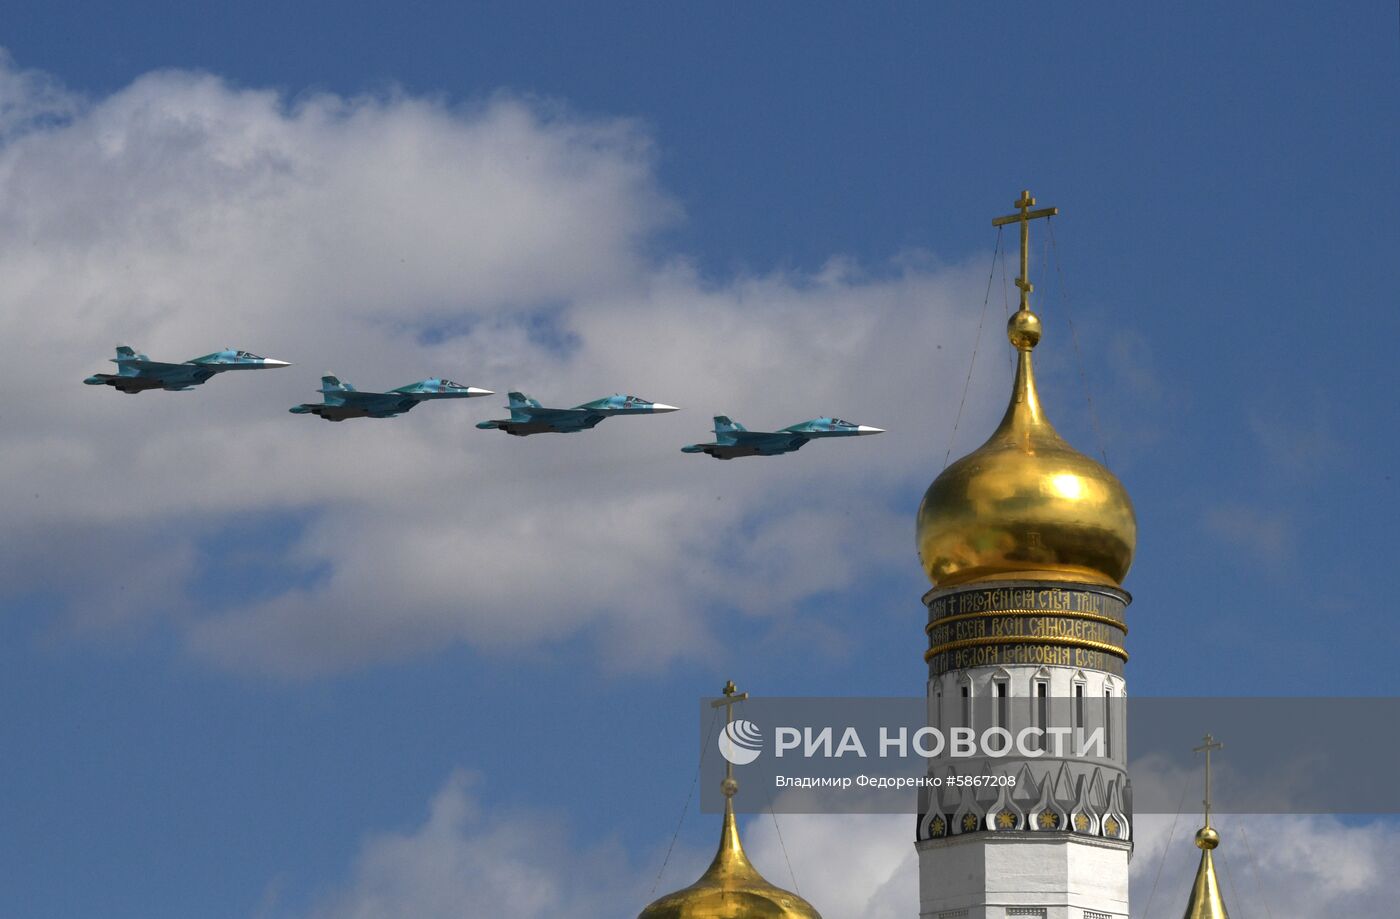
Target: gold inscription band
[(1048, 613), (1065, 599), (1013, 640)]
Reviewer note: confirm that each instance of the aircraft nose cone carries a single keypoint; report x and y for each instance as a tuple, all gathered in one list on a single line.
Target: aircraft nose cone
[(663, 407), (867, 429), (270, 362), (476, 391)]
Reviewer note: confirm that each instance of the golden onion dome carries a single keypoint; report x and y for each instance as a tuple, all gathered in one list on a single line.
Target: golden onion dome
[(1026, 505), (732, 888)]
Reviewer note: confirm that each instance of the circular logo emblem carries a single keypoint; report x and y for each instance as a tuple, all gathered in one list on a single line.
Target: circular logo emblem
[(740, 742)]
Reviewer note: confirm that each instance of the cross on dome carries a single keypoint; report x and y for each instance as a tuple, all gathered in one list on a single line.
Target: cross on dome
[(1024, 218)]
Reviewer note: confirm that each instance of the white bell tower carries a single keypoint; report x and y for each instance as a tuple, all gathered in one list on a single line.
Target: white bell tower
[(1027, 543)]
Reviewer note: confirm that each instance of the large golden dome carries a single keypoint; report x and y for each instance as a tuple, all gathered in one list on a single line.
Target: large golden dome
[(731, 889), (1026, 505)]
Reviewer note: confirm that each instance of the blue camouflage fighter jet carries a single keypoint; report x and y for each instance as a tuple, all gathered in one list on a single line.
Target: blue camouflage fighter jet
[(137, 372), (733, 439), (528, 417), (341, 400)]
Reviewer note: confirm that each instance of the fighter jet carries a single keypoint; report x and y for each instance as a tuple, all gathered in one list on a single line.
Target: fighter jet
[(137, 372), (341, 400), (733, 439), (528, 417)]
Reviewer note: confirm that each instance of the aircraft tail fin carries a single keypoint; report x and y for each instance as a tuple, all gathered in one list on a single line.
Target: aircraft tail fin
[(520, 401), (725, 425), (330, 383), (126, 359)]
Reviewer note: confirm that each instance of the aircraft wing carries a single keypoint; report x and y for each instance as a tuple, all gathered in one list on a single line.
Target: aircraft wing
[(372, 402), (779, 442), (365, 399), (547, 414), (752, 438), (159, 369), (177, 374)]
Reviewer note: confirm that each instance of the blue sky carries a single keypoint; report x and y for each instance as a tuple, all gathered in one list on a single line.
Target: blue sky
[(241, 647)]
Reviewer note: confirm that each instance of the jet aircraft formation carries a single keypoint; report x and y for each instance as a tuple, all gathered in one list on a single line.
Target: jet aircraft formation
[(339, 400)]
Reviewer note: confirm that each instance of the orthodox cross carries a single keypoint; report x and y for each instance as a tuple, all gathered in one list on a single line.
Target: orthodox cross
[(731, 696), (1210, 744), (1024, 218)]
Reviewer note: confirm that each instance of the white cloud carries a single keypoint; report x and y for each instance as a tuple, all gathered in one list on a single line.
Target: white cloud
[(1266, 536), (849, 866), (462, 861), (1298, 865), (1294, 442), (501, 243), (30, 98)]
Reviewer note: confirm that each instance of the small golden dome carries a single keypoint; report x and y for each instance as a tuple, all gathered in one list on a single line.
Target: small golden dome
[(731, 889), (1206, 900), (1026, 505)]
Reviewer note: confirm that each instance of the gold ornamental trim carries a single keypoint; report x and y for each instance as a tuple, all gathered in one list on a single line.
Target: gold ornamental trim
[(1053, 613), (1015, 640)]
